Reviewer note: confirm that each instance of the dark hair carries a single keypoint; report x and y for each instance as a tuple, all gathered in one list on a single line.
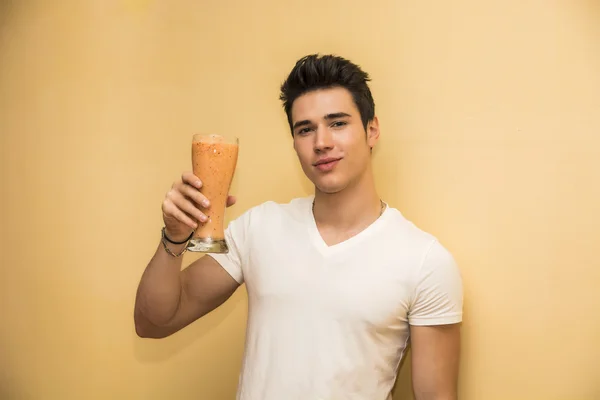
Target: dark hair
[(315, 72)]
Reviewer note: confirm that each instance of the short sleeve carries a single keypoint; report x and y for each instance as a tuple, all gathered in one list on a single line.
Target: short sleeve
[(235, 237), (438, 298)]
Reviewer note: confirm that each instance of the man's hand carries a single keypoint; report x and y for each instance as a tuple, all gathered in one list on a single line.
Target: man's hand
[(183, 205)]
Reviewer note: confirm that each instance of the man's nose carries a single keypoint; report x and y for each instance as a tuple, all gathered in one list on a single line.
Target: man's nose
[(323, 139)]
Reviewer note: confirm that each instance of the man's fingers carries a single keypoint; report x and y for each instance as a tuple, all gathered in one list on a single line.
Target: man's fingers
[(191, 179), (231, 201), (170, 210)]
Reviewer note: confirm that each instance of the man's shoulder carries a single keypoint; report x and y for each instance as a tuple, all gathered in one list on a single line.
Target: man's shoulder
[(294, 208), (406, 232), (408, 241), (416, 246)]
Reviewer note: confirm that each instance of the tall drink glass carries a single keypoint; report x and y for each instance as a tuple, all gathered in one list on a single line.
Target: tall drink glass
[(214, 158)]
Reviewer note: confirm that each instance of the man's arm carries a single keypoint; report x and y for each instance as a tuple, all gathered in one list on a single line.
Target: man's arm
[(435, 361), (434, 318), (168, 299)]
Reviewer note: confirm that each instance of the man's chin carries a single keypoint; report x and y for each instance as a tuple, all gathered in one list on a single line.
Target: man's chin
[(328, 189)]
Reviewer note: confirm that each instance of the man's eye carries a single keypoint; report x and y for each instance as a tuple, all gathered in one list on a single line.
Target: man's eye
[(337, 124), (303, 131)]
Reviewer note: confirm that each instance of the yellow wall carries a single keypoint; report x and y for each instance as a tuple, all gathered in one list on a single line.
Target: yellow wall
[(490, 115)]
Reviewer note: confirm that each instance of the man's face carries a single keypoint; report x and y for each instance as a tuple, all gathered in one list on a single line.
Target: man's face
[(330, 139)]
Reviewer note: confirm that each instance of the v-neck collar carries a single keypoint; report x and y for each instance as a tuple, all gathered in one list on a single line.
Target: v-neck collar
[(324, 248)]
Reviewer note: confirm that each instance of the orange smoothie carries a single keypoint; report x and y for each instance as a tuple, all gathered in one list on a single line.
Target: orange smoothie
[(214, 160)]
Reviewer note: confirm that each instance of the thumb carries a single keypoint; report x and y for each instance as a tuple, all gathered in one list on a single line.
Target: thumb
[(231, 201)]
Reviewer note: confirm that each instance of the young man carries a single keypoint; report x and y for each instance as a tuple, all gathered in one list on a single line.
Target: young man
[(337, 282)]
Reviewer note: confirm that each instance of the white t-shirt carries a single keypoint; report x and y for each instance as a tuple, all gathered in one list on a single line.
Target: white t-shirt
[(332, 322)]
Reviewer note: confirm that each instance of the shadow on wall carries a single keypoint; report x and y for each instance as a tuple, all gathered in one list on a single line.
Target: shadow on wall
[(403, 389), (9, 387), (6, 8)]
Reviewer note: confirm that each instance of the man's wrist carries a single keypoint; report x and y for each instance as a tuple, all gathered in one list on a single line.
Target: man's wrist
[(175, 239)]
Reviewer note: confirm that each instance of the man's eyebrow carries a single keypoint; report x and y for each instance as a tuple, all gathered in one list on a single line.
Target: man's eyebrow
[(301, 123), (327, 117), (337, 115)]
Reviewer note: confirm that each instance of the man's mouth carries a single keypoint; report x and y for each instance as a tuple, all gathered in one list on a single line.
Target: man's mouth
[(326, 164)]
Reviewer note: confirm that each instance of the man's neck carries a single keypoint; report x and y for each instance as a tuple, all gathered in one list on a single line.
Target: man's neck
[(355, 207)]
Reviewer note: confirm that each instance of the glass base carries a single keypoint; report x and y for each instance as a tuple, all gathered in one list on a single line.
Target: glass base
[(208, 245)]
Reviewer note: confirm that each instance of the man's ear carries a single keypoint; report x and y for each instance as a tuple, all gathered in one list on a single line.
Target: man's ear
[(373, 132)]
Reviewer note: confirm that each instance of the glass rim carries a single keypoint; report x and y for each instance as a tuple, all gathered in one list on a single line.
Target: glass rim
[(210, 138)]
